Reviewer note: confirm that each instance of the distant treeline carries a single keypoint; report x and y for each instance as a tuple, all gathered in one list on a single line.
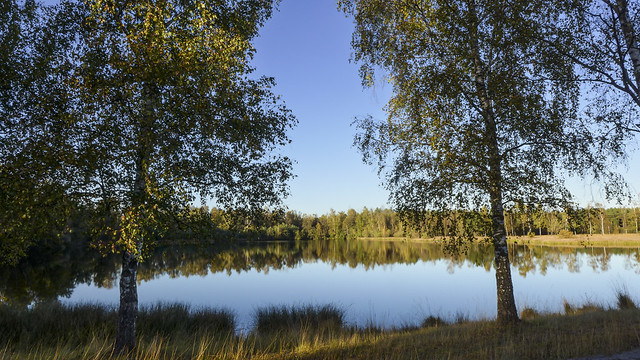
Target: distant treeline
[(519, 221)]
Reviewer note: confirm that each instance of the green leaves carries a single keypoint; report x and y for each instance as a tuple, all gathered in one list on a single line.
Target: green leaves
[(133, 108), (475, 107), (31, 212), (34, 204)]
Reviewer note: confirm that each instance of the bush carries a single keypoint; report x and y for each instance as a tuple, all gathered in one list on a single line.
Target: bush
[(565, 234)]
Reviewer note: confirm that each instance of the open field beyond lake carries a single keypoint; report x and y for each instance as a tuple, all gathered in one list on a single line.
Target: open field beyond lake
[(584, 240), (614, 240)]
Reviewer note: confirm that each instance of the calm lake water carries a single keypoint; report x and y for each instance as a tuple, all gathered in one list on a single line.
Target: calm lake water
[(382, 283)]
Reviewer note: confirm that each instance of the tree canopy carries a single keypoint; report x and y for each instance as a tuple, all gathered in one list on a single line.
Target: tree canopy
[(33, 203), (172, 109), (450, 69)]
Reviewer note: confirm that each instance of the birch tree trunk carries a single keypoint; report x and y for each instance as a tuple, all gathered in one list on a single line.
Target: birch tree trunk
[(128, 311), (507, 312)]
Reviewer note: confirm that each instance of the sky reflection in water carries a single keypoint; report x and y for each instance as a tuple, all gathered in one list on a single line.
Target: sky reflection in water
[(398, 293)]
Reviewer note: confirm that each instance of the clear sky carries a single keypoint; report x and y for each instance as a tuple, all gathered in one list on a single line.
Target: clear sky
[(306, 47)]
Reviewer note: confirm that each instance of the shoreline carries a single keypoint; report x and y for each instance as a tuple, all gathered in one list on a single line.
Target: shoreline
[(578, 240)]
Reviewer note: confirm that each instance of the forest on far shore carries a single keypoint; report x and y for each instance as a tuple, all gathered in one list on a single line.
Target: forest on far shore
[(205, 225), (519, 221)]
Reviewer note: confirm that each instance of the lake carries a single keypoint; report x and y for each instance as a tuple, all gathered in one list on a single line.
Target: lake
[(376, 282)]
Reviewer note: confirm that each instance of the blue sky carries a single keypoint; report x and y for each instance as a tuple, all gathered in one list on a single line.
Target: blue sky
[(306, 47)]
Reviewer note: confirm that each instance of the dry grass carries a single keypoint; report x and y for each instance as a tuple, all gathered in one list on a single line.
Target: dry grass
[(581, 240), (583, 330), (544, 337)]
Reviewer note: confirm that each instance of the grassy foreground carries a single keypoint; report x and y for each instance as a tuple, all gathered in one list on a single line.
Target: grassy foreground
[(53, 331)]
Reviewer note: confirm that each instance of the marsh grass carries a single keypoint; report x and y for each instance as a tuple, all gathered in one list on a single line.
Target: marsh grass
[(589, 306), (180, 320), (624, 300), (52, 330), (174, 331), (528, 313), (275, 319), (52, 323), (433, 322)]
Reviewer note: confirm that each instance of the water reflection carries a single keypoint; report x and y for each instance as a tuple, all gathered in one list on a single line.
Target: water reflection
[(48, 274)]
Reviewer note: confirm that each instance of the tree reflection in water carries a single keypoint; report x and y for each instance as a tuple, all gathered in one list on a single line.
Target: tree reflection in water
[(48, 273)]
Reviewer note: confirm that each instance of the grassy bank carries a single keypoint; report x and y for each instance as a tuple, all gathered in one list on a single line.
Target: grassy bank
[(566, 239), (596, 240), (53, 331)]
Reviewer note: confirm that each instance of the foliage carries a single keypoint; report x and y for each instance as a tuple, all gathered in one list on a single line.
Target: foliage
[(30, 213), (386, 223), (169, 108), (130, 109), (435, 148), (138, 108), (478, 117), (600, 37), (34, 207)]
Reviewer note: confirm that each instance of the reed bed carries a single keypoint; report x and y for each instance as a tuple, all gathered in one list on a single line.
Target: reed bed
[(175, 331)]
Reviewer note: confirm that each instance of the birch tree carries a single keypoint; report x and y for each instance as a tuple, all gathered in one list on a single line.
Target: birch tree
[(474, 119), (161, 104)]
